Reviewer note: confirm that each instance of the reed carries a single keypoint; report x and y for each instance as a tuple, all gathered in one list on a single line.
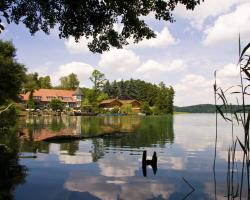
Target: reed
[(241, 116)]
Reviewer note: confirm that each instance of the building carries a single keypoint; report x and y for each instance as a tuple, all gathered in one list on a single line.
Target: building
[(42, 97), (110, 104)]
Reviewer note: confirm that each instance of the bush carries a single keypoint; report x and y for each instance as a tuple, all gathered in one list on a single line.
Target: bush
[(8, 118), (145, 108), (56, 104), (115, 110), (126, 109)]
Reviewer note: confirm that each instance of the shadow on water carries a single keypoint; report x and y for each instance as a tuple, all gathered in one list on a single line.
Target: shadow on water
[(11, 172)]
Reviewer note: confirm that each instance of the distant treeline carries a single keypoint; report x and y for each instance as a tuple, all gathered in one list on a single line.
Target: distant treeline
[(208, 108), (139, 90)]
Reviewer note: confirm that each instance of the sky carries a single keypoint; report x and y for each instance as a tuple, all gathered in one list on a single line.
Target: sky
[(185, 53)]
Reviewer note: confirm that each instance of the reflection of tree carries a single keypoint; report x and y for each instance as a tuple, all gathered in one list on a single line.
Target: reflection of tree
[(98, 149), (152, 130), (11, 172), (34, 146), (56, 124), (71, 147), (94, 126)]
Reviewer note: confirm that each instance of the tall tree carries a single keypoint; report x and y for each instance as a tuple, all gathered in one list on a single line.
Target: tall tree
[(164, 101), (12, 73), (93, 19), (98, 79), (69, 82), (31, 83), (107, 88), (45, 82)]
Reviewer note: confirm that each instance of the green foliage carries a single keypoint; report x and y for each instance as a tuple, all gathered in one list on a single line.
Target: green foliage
[(101, 96), (31, 103), (115, 110), (69, 82), (98, 79), (31, 83), (45, 82), (56, 104), (159, 96), (12, 74), (145, 108), (164, 101), (126, 109), (91, 100), (92, 19), (8, 118)]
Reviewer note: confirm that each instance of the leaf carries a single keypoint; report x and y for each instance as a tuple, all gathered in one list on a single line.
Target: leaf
[(222, 98), (236, 117), (247, 122), (242, 146), (221, 113), (244, 50), (246, 72)]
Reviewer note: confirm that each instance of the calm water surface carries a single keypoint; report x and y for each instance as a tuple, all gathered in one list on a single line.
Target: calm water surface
[(107, 164)]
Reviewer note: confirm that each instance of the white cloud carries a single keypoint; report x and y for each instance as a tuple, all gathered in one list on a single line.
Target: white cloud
[(227, 27), (82, 158), (228, 71), (119, 60), (210, 8), (82, 70), (153, 66), (77, 47), (163, 39), (118, 166), (193, 89)]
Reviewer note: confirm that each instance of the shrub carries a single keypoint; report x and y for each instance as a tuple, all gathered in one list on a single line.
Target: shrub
[(56, 104)]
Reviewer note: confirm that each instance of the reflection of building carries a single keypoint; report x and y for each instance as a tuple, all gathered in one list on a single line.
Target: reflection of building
[(43, 96), (110, 104)]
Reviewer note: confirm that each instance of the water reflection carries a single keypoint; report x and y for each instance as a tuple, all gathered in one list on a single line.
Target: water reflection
[(152, 162), (11, 172), (139, 132), (106, 163)]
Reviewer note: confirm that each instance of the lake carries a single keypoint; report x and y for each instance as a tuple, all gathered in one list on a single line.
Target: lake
[(103, 158)]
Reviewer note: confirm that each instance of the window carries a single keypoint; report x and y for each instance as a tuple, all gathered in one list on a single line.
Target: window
[(37, 97)]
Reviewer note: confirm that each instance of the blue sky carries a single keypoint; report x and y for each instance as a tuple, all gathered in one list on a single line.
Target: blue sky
[(185, 54)]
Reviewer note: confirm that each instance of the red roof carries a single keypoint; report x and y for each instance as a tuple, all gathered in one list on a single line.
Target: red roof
[(48, 94)]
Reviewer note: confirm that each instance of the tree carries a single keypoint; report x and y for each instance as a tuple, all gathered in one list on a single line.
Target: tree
[(31, 83), (45, 82), (107, 88), (145, 108), (164, 101), (98, 79), (12, 73), (94, 19), (122, 90), (56, 104), (70, 82)]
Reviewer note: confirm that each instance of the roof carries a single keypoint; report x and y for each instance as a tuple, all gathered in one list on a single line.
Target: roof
[(107, 101), (44, 93), (129, 101)]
